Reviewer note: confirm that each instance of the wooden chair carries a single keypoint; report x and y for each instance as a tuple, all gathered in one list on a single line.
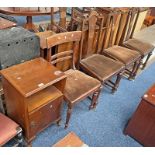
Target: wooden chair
[(96, 64), (130, 58), (8, 130), (145, 49), (78, 85)]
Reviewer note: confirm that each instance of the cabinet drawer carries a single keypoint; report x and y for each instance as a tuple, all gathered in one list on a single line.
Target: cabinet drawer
[(47, 114)]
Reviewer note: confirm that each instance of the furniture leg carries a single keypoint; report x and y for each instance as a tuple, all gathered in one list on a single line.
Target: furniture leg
[(118, 79), (4, 110), (69, 111), (58, 122), (137, 68), (134, 70), (29, 24), (145, 63), (19, 137), (95, 99), (42, 53)]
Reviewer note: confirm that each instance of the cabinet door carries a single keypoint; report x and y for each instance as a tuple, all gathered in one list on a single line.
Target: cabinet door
[(44, 116)]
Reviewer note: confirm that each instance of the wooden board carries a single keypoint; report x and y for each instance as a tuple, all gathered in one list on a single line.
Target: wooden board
[(6, 24), (70, 140)]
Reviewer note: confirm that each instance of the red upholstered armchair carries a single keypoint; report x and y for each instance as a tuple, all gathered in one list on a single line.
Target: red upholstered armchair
[(8, 130)]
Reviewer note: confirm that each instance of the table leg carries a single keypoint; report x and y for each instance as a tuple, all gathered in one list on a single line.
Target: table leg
[(29, 24)]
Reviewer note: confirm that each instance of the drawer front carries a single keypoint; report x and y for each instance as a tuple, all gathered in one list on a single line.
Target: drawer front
[(44, 116)]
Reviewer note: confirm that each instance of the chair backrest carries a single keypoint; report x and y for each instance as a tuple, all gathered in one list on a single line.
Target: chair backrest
[(59, 39), (130, 24), (110, 26), (90, 35)]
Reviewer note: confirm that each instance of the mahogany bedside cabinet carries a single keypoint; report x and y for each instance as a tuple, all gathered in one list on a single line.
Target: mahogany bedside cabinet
[(142, 124), (33, 94)]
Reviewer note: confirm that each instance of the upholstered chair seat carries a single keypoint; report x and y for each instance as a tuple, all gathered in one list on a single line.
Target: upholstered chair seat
[(8, 129), (124, 55), (75, 80), (143, 48), (101, 67)]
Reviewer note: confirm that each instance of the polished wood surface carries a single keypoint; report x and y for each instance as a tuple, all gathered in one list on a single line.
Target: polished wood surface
[(43, 75), (150, 95), (70, 140), (33, 92), (141, 126), (6, 24), (43, 97), (28, 12)]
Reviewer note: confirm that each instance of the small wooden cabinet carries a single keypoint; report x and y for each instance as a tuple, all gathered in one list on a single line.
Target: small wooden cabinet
[(33, 92), (142, 124)]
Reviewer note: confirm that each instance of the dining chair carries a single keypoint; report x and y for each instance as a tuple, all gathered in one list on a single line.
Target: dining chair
[(108, 71), (8, 130), (78, 84), (145, 49), (130, 58)]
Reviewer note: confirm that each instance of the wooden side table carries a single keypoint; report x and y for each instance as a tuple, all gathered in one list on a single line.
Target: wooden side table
[(29, 12), (142, 124), (70, 140), (6, 24), (33, 95)]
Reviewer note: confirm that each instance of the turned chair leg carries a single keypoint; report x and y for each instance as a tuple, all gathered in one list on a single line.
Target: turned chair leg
[(145, 63), (95, 99), (58, 122), (69, 111), (137, 68), (4, 110), (118, 79), (19, 137)]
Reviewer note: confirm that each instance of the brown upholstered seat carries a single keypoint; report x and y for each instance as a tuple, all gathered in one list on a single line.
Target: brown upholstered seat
[(75, 79), (8, 129), (101, 67), (142, 47), (125, 55)]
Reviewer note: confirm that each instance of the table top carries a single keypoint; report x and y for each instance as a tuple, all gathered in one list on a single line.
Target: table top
[(6, 24), (27, 11), (149, 96), (70, 140), (32, 76)]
